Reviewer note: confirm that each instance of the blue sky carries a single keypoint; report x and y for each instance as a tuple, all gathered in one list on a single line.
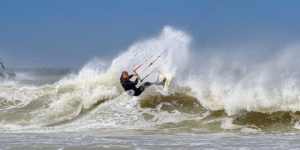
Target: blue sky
[(67, 33)]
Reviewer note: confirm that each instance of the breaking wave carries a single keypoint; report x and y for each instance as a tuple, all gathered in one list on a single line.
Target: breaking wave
[(207, 93)]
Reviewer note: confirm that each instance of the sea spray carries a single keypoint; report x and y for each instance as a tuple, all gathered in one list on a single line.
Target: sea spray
[(267, 86), (256, 94), (98, 81)]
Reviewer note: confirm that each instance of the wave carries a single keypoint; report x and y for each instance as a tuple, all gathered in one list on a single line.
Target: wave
[(207, 93)]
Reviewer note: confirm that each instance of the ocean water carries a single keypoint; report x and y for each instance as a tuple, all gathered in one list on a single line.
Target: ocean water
[(210, 101)]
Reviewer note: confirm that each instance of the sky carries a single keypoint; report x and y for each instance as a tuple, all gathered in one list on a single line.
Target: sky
[(68, 33)]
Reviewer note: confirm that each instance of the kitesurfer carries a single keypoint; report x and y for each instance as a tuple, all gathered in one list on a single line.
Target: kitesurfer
[(130, 86)]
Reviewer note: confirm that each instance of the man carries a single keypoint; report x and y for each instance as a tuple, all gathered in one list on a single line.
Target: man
[(130, 86)]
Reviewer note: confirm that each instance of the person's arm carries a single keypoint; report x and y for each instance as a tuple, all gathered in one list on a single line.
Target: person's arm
[(136, 81), (130, 76), (130, 83)]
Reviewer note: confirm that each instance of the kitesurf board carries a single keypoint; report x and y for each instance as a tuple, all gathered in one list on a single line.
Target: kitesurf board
[(167, 77)]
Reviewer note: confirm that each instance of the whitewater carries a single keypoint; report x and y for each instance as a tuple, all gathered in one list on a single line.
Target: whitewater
[(234, 99)]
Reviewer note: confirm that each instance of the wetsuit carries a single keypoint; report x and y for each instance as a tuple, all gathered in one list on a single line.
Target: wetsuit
[(130, 86)]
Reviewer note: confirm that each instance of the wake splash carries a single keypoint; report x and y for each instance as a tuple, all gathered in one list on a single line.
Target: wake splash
[(206, 90)]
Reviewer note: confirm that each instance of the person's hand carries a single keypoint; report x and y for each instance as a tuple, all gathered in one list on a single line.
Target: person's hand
[(137, 76)]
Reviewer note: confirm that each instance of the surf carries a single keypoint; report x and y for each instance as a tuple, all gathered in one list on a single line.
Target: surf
[(211, 95)]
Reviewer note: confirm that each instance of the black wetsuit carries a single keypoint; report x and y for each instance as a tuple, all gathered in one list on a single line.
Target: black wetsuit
[(131, 85)]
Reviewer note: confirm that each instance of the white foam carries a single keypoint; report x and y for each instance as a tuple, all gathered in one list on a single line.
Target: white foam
[(217, 83), (269, 85), (297, 125), (250, 130), (227, 123), (98, 81)]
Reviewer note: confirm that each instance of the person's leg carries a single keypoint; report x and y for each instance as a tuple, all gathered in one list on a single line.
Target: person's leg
[(147, 84), (142, 88), (139, 90)]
